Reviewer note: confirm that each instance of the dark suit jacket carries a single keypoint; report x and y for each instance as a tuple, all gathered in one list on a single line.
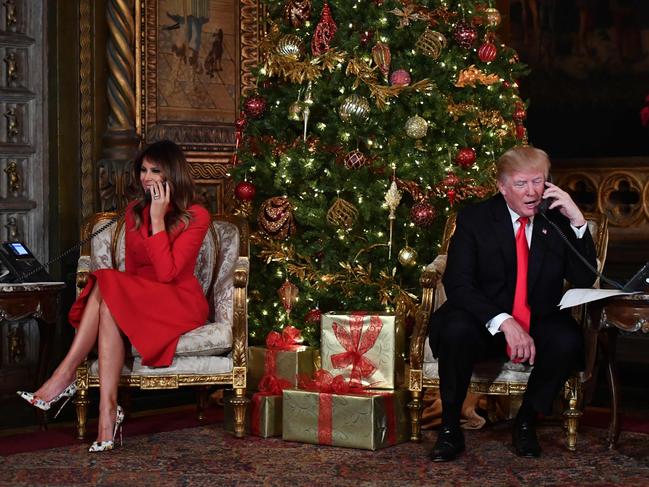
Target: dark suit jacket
[(480, 276)]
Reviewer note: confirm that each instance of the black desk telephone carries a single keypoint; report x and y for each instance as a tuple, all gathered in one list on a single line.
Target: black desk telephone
[(18, 264), (16, 260)]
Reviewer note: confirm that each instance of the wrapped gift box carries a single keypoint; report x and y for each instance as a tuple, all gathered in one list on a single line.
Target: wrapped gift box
[(263, 414), (287, 364), (369, 421), (366, 348)]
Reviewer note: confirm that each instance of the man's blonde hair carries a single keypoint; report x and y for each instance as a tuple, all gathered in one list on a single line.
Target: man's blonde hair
[(522, 158)]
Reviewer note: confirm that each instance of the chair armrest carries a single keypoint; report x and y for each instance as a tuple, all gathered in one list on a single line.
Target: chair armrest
[(240, 313), (429, 280), (83, 270)]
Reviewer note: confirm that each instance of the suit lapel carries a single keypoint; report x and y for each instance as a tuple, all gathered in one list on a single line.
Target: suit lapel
[(504, 231), (538, 250)]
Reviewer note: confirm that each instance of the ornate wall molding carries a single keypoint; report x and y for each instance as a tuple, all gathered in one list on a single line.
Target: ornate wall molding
[(619, 188)]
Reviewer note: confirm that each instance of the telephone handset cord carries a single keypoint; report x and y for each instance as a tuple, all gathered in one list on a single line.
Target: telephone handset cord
[(80, 244)]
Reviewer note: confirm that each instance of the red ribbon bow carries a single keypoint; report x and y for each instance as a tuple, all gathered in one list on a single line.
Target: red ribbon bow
[(356, 344), (289, 339)]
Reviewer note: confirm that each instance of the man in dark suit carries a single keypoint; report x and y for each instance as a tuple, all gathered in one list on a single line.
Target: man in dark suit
[(500, 304)]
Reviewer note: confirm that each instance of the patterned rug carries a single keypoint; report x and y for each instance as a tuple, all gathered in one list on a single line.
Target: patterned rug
[(206, 455)]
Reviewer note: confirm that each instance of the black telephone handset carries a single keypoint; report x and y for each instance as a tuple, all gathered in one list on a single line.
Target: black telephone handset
[(147, 193), (545, 203), (18, 264)]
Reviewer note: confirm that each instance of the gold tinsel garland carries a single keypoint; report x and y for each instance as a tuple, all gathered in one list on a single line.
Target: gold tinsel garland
[(297, 71), (348, 279)]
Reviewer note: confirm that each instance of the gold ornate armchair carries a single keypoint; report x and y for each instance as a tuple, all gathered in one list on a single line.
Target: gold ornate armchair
[(491, 378), (215, 353)]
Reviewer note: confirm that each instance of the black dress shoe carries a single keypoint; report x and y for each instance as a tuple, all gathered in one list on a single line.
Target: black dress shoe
[(525, 441), (449, 444)]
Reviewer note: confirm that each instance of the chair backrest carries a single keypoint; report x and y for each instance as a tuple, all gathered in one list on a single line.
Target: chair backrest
[(219, 252)]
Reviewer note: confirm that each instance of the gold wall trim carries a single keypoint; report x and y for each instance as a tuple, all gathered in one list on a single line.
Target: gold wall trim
[(86, 95)]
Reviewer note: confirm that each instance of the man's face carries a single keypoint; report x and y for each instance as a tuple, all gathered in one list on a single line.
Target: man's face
[(522, 190)]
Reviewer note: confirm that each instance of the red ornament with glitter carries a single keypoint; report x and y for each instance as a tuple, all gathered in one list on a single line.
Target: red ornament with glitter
[(450, 194), (465, 157), (423, 214), (255, 106), (487, 52), (520, 132), (245, 191), (519, 113), (465, 35), (313, 316), (324, 32), (400, 77)]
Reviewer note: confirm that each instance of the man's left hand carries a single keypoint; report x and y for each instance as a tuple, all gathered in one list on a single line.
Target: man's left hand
[(567, 207)]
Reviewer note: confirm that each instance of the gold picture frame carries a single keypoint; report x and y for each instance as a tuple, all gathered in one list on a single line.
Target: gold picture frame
[(194, 62)]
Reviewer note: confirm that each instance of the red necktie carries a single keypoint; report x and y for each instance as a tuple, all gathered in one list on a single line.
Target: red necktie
[(521, 309)]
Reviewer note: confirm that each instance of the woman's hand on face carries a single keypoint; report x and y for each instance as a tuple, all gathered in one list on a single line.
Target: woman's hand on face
[(160, 198)]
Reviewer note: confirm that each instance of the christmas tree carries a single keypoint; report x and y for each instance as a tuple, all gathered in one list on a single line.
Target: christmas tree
[(372, 121)]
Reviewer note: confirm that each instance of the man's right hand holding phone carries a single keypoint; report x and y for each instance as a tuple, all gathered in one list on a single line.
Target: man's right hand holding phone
[(562, 200)]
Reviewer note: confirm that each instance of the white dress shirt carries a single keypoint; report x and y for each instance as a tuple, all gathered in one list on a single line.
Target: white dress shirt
[(493, 325)]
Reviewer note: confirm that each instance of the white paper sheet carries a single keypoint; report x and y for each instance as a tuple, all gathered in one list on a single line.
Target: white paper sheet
[(575, 297)]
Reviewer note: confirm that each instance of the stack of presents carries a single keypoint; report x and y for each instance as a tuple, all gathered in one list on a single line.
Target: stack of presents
[(345, 394)]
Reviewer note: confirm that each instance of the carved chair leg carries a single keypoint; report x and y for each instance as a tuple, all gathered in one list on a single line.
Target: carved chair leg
[(415, 406), (240, 404), (81, 402), (572, 412), (201, 402)]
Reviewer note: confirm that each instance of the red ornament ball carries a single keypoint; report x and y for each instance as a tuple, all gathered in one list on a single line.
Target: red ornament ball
[(313, 316), (519, 113), (355, 160), (245, 191), (465, 35), (520, 132), (487, 52), (255, 106), (400, 77), (366, 37), (423, 214), (465, 157)]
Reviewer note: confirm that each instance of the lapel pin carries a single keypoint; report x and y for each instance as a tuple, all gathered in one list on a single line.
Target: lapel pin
[(544, 231)]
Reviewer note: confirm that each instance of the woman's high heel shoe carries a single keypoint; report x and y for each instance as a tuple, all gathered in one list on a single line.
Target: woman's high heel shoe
[(67, 393), (110, 444)]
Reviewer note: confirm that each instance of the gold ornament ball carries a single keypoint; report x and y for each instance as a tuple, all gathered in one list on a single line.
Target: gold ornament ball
[(431, 43), (354, 107), (492, 16), (416, 127), (295, 111), (291, 46), (407, 256)]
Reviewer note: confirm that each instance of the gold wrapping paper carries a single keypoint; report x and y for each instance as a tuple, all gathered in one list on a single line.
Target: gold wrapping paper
[(358, 421), (269, 415), (387, 352), (288, 364)]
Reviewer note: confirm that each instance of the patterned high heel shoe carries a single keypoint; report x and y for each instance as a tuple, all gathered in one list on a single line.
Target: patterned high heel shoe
[(110, 444), (67, 393)]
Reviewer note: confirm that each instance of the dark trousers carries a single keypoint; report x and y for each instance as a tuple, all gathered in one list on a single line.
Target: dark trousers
[(462, 342)]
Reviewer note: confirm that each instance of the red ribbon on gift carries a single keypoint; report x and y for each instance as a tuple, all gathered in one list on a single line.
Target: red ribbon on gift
[(327, 385), (290, 339), (268, 386), (356, 344)]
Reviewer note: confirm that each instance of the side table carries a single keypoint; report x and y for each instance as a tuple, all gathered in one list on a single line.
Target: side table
[(33, 300), (629, 313)]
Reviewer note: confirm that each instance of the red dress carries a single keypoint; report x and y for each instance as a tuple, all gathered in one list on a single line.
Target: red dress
[(158, 298)]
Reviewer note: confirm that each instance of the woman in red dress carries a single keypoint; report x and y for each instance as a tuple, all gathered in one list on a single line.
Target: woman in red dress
[(153, 302)]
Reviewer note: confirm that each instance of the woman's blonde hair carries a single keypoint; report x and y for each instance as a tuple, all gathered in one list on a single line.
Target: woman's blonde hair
[(522, 158), (173, 165)]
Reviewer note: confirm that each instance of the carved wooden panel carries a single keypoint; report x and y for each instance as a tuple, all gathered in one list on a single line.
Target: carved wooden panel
[(23, 167), (618, 187)]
